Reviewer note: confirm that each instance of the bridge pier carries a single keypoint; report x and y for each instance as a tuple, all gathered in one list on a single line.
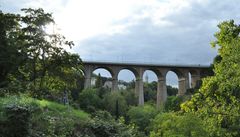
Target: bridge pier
[(114, 83), (139, 86), (183, 84), (194, 80), (140, 93), (161, 92), (87, 75)]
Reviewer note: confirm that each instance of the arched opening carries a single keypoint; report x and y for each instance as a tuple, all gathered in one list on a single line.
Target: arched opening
[(172, 81), (126, 80), (101, 77), (127, 85), (150, 80)]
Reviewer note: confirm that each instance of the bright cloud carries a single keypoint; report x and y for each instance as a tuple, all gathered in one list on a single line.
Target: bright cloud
[(123, 28), (157, 31)]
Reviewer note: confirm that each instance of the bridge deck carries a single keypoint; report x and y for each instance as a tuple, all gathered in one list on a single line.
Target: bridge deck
[(145, 64)]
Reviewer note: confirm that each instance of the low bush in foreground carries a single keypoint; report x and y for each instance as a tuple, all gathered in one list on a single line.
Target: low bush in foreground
[(24, 116)]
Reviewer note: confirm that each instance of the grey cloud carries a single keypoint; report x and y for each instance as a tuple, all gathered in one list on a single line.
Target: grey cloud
[(186, 41)]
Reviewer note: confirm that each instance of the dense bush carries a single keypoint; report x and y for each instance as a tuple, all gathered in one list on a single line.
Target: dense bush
[(24, 116), (130, 97), (103, 124), (14, 116), (115, 103), (173, 125), (173, 103), (141, 116), (89, 100), (171, 91)]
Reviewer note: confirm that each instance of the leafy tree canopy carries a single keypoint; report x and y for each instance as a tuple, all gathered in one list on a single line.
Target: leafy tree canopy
[(219, 97), (32, 59)]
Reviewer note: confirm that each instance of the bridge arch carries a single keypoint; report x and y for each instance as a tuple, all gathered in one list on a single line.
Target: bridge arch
[(108, 69), (172, 82), (177, 72), (123, 72), (131, 69), (106, 77), (183, 80), (182, 72), (150, 79)]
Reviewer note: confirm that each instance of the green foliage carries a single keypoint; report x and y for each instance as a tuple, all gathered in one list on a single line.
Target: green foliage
[(173, 125), (172, 91), (217, 101), (104, 125), (141, 116), (173, 103), (15, 115), (38, 62), (228, 31), (115, 103), (89, 100), (99, 82), (24, 116), (150, 92), (10, 57), (130, 97)]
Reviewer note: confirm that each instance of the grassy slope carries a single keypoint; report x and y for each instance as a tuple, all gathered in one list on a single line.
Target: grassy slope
[(48, 106)]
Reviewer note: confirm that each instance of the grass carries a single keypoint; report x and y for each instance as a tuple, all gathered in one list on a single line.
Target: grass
[(44, 105)]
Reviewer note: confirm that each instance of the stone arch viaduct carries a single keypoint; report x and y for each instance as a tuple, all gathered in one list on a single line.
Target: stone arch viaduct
[(182, 71)]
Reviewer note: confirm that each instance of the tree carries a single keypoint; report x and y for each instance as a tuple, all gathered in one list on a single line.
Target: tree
[(173, 103), (173, 125), (42, 64), (150, 91), (99, 82), (141, 116), (110, 101), (217, 101), (89, 100), (10, 56), (172, 91)]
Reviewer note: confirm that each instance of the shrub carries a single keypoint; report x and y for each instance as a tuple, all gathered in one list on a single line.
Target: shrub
[(115, 103), (130, 97), (173, 125), (89, 100), (173, 103), (141, 116), (17, 121), (103, 124), (23, 116)]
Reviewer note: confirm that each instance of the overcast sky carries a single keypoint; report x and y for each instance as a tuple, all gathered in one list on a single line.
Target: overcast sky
[(152, 31)]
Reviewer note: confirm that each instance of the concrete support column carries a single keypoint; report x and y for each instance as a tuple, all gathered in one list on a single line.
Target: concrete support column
[(87, 81), (136, 88), (139, 86), (194, 79), (183, 83), (140, 91), (114, 73), (161, 92), (115, 83), (182, 86)]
